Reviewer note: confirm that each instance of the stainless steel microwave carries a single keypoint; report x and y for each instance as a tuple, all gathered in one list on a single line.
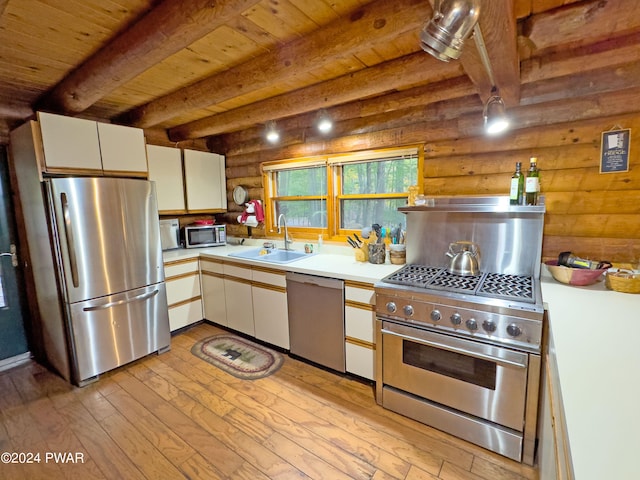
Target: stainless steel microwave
[(197, 236)]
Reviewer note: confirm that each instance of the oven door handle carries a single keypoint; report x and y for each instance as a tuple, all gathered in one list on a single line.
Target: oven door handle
[(461, 351)]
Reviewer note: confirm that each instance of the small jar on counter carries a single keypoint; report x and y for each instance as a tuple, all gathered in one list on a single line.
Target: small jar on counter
[(413, 194), (398, 253)]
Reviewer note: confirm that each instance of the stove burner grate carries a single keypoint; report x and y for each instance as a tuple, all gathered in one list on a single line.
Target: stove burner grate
[(455, 283), (414, 275), (507, 286), (492, 285)]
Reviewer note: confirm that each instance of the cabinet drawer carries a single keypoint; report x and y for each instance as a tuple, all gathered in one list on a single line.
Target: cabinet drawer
[(359, 323), (180, 267), (359, 293), (185, 314), (211, 266), (269, 277), (183, 288), (360, 360), (237, 271)]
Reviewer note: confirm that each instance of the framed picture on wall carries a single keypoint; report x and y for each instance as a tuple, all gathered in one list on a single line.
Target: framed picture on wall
[(614, 151)]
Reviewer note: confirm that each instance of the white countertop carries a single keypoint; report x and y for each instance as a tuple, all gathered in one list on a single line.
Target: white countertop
[(598, 356), (332, 261)]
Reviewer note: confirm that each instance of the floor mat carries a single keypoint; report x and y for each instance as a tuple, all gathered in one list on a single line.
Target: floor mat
[(240, 357)]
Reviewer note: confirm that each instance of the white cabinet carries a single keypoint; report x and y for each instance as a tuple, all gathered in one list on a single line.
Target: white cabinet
[(165, 168), (123, 150), (205, 181), (238, 298), (69, 144), (182, 278), (213, 297), (554, 457), (75, 145), (249, 299), (359, 312), (270, 314)]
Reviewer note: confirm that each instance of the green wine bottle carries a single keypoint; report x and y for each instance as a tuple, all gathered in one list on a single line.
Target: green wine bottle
[(517, 186), (532, 184)]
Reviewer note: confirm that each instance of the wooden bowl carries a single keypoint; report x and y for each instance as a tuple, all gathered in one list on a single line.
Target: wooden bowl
[(573, 276)]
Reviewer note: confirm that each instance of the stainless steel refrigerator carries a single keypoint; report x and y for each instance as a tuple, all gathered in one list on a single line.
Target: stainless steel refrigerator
[(97, 268)]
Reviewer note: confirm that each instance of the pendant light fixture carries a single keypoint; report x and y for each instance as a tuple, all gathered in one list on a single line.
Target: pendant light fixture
[(495, 115), (271, 132), (453, 21), (494, 112), (443, 37)]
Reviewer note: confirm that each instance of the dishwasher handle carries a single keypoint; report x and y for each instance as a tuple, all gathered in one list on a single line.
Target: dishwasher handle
[(315, 280)]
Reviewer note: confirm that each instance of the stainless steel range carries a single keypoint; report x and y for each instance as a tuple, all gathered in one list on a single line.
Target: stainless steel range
[(462, 352)]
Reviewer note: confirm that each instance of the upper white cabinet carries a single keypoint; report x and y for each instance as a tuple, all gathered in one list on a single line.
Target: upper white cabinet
[(69, 143), (165, 168), (205, 182), (123, 149), (76, 145)]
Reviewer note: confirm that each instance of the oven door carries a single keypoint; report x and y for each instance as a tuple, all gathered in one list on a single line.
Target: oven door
[(482, 380)]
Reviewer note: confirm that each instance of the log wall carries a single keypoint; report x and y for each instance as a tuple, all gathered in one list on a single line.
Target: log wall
[(591, 214)]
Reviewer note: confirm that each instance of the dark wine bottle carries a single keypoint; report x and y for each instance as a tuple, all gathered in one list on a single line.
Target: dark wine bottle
[(517, 186)]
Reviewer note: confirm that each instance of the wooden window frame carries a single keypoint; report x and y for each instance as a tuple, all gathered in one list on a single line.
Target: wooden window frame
[(334, 164)]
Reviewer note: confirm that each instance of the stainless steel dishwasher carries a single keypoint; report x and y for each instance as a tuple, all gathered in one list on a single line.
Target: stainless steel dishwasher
[(316, 319)]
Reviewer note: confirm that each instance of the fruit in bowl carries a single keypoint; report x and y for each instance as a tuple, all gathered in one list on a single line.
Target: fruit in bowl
[(574, 276)]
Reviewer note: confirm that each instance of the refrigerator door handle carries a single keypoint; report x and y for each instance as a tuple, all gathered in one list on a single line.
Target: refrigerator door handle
[(71, 244), (137, 298)]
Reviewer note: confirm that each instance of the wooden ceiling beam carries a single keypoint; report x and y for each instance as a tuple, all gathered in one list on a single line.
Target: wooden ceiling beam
[(410, 69), (166, 29), (361, 109), (580, 24), (13, 110), (497, 23), (376, 23), (432, 112), (572, 88)]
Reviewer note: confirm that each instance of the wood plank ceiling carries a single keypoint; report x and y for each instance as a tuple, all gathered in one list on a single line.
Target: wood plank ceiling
[(191, 69)]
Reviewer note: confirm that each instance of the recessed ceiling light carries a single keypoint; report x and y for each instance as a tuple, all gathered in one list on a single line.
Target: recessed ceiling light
[(271, 132)]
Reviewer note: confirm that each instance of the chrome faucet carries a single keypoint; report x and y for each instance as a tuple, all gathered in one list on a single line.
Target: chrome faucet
[(287, 240)]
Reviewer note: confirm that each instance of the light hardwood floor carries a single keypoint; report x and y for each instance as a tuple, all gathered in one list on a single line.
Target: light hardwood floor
[(175, 416)]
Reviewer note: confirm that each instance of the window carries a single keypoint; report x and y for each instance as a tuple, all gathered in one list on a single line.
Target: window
[(336, 195), (301, 195)]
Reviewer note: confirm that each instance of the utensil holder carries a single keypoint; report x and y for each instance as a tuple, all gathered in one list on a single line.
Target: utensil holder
[(377, 253)]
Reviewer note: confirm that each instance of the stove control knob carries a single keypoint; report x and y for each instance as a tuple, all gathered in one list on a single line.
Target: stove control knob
[(408, 310), (489, 326), (472, 324), (514, 330), (436, 315), (391, 307), (456, 318)]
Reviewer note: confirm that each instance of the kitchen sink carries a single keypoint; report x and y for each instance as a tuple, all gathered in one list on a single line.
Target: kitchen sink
[(273, 255)]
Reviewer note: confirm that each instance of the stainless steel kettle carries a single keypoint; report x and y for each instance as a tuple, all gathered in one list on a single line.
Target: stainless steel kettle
[(465, 258)]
